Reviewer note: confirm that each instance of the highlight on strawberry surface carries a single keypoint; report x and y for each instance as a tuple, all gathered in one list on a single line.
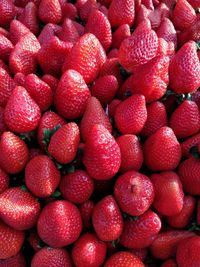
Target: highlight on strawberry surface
[(99, 133)]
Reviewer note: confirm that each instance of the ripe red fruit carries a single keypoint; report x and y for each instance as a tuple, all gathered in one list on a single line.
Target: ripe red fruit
[(88, 251), (71, 95), (123, 259), (6, 47), (69, 32), (86, 210), (3, 126), (169, 263), (51, 81), (7, 9), (49, 31), (21, 114), (59, 223), (4, 181), (14, 153), (102, 156), (17, 261), (86, 7), (49, 11), (18, 208), (7, 85), (162, 151), (167, 31), (17, 30), (19, 79), (189, 143), (121, 33), (107, 219), (112, 107)]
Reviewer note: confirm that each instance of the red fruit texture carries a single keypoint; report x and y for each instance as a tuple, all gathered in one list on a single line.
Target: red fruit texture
[(17, 261), (141, 253), (69, 10), (7, 11), (102, 156), (86, 8), (18, 208), (21, 114), (3, 126), (3, 65), (17, 30), (4, 181), (59, 223), (86, 210), (107, 219), (49, 11), (51, 257), (189, 143), (167, 31), (14, 153), (6, 47), (134, 193), (48, 32), (7, 85), (169, 263), (19, 79), (124, 259), (88, 251), (198, 213), (69, 32), (121, 33), (51, 81), (112, 107), (162, 151)]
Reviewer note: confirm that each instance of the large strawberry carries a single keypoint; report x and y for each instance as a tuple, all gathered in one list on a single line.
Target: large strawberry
[(7, 85), (18, 208), (49, 11), (7, 10), (88, 251), (17, 261), (59, 223), (123, 259), (14, 153), (4, 181), (102, 156), (162, 151), (6, 47)]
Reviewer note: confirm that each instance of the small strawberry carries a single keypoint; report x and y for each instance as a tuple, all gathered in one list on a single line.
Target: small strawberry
[(7, 85), (17, 261), (88, 251), (64, 143), (17, 30), (134, 192), (14, 153), (21, 114), (123, 259), (107, 219), (49, 11), (162, 150), (6, 47), (4, 181), (59, 223), (69, 10), (189, 143), (102, 156), (7, 9), (111, 67), (121, 33), (113, 53), (86, 210)]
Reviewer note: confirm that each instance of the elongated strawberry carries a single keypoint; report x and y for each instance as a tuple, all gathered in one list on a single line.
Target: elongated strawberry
[(59, 223), (17, 261), (7, 9), (86, 210), (102, 156), (88, 251), (121, 33), (21, 114), (49, 11), (7, 85), (6, 47), (124, 259), (17, 30)]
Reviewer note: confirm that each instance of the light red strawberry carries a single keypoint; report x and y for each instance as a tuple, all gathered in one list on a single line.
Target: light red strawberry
[(102, 156), (124, 259), (6, 47), (121, 33), (4, 181), (69, 32), (88, 251), (17, 30), (21, 114), (7, 85), (7, 9), (48, 32), (50, 11), (17, 261), (59, 223), (187, 144)]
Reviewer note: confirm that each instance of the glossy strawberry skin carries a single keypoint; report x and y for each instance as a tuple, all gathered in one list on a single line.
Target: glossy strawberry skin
[(102, 156), (56, 223), (124, 259), (7, 85), (64, 143), (17, 261), (88, 251), (4, 181), (14, 153), (7, 9), (50, 11)]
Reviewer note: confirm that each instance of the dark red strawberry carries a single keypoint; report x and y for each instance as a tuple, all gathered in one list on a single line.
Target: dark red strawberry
[(69, 32), (51, 81), (7, 85), (141, 253), (49, 11), (124, 259), (50, 30), (189, 143), (17, 30), (3, 66), (3, 126), (120, 34), (17, 261), (6, 47), (112, 107), (113, 53), (86, 210), (88, 251), (69, 10), (169, 263), (7, 11)]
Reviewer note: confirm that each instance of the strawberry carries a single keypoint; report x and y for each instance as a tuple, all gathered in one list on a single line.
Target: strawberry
[(72, 88), (7, 9), (17, 30), (23, 3), (141, 253), (86, 8), (123, 259), (112, 107), (167, 31), (182, 219), (141, 232), (131, 115), (21, 114), (59, 223), (17, 261), (11, 241), (111, 67), (7, 85), (51, 257), (64, 143), (34, 240), (168, 193), (184, 69), (48, 32), (41, 176), (102, 156), (187, 252), (33, 152), (86, 210), (69, 10), (6, 47), (3, 126), (189, 143), (113, 53), (107, 219), (87, 56), (19, 79), (49, 11), (131, 152), (14, 153), (169, 263), (69, 32), (94, 114), (4, 181), (134, 192), (121, 33), (162, 151), (88, 251), (51, 81), (165, 245)]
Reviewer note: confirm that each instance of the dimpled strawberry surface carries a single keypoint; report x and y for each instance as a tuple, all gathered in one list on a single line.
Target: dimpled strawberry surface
[(99, 133)]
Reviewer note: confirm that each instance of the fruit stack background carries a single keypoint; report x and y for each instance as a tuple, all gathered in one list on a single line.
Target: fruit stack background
[(99, 133)]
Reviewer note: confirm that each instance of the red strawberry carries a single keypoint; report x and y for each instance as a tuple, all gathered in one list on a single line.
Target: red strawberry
[(48, 32), (102, 156), (131, 115), (17, 261), (17, 30), (3, 126), (167, 31), (123, 259), (14, 153), (71, 95), (64, 143), (86, 210), (51, 257), (169, 263), (189, 143), (141, 232), (120, 34), (33, 152), (34, 240), (113, 53), (19, 79), (21, 114), (112, 107), (140, 252), (41, 176), (18, 208), (107, 219), (162, 151), (23, 3), (69, 10), (188, 252), (87, 56), (194, 3), (6, 47), (111, 67), (88, 251), (183, 217), (185, 120), (168, 193), (4, 181), (7, 85), (49, 11), (69, 32), (86, 8), (7, 11), (51, 81), (59, 223), (11, 241), (165, 245), (134, 192)]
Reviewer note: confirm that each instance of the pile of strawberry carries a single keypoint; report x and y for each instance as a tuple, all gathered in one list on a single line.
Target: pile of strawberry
[(99, 133)]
